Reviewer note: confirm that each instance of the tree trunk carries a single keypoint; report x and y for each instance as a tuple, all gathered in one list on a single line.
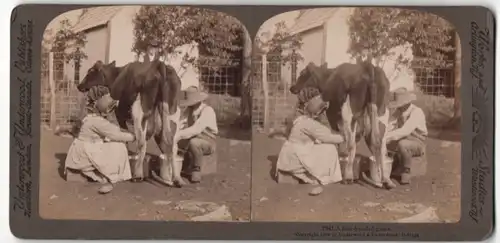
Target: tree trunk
[(457, 111), (246, 70)]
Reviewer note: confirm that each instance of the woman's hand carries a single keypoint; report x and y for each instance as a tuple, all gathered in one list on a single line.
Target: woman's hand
[(339, 138), (133, 137)]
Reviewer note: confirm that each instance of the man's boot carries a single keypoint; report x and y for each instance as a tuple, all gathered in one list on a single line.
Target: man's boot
[(405, 176), (196, 176)]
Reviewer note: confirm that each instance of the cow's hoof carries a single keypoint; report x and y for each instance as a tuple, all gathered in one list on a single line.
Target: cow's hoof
[(137, 180), (179, 183), (347, 181), (161, 180), (389, 185)]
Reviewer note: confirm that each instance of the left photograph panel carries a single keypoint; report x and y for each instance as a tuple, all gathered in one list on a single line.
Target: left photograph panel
[(145, 115)]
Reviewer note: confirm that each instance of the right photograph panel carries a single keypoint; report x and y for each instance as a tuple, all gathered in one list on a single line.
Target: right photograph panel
[(356, 117)]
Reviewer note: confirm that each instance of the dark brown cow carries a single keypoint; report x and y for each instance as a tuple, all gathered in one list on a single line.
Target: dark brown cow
[(148, 94), (358, 95)]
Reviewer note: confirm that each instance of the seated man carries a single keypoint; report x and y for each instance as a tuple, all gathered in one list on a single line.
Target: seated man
[(198, 137), (410, 131)]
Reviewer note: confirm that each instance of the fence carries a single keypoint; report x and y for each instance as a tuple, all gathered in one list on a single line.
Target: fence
[(435, 81), (273, 104), (61, 102), (223, 85)]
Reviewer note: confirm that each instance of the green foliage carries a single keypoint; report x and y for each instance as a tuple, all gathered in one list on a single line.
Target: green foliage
[(68, 43), (281, 43), (218, 35), (377, 30)]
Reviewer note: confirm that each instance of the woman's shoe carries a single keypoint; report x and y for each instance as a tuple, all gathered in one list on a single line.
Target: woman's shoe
[(107, 188), (316, 191)]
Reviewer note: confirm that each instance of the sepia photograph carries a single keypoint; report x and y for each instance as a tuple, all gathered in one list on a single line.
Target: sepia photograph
[(145, 115), (356, 117)]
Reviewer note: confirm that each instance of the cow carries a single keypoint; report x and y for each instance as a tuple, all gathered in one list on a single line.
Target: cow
[(358, 95), (147, 94)]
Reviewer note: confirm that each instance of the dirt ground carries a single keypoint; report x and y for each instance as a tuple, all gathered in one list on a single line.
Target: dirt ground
[(230, 186), (439, 188), (240, 163)]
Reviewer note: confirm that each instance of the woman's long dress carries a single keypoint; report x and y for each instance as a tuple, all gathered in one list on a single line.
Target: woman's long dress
[(90, 152), (301, 155)]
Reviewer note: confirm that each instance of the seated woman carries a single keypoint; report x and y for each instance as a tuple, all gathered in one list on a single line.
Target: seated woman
[(310, 152), (99, 151)]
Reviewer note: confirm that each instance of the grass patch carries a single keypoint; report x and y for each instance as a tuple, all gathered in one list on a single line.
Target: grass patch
[(439, 111)]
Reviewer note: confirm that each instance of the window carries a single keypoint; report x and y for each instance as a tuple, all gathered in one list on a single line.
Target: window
[(58, 66), (77, 66)]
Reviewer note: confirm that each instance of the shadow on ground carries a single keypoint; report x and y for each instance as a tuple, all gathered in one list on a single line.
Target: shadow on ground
[(274, 160), (451, 135), (61, 157)]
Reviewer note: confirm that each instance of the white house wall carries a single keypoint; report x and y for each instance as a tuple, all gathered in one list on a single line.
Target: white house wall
[(337, 38), (122, 40), (122, 36), (95, 49), (312, 51)]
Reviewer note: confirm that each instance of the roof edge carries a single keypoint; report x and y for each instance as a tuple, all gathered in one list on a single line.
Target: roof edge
[(106, 23), (307, 28)]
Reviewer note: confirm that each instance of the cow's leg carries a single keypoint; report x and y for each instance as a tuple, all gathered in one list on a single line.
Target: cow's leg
[(168, 144), (386, 162), (140, 129), (166, 168), (374, 177), (349, 171), (348, 128), (380, 169), (378, 146)]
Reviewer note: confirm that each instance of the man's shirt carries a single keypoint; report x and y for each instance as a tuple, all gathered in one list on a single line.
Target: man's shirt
[(201, 120), (411, 121)]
